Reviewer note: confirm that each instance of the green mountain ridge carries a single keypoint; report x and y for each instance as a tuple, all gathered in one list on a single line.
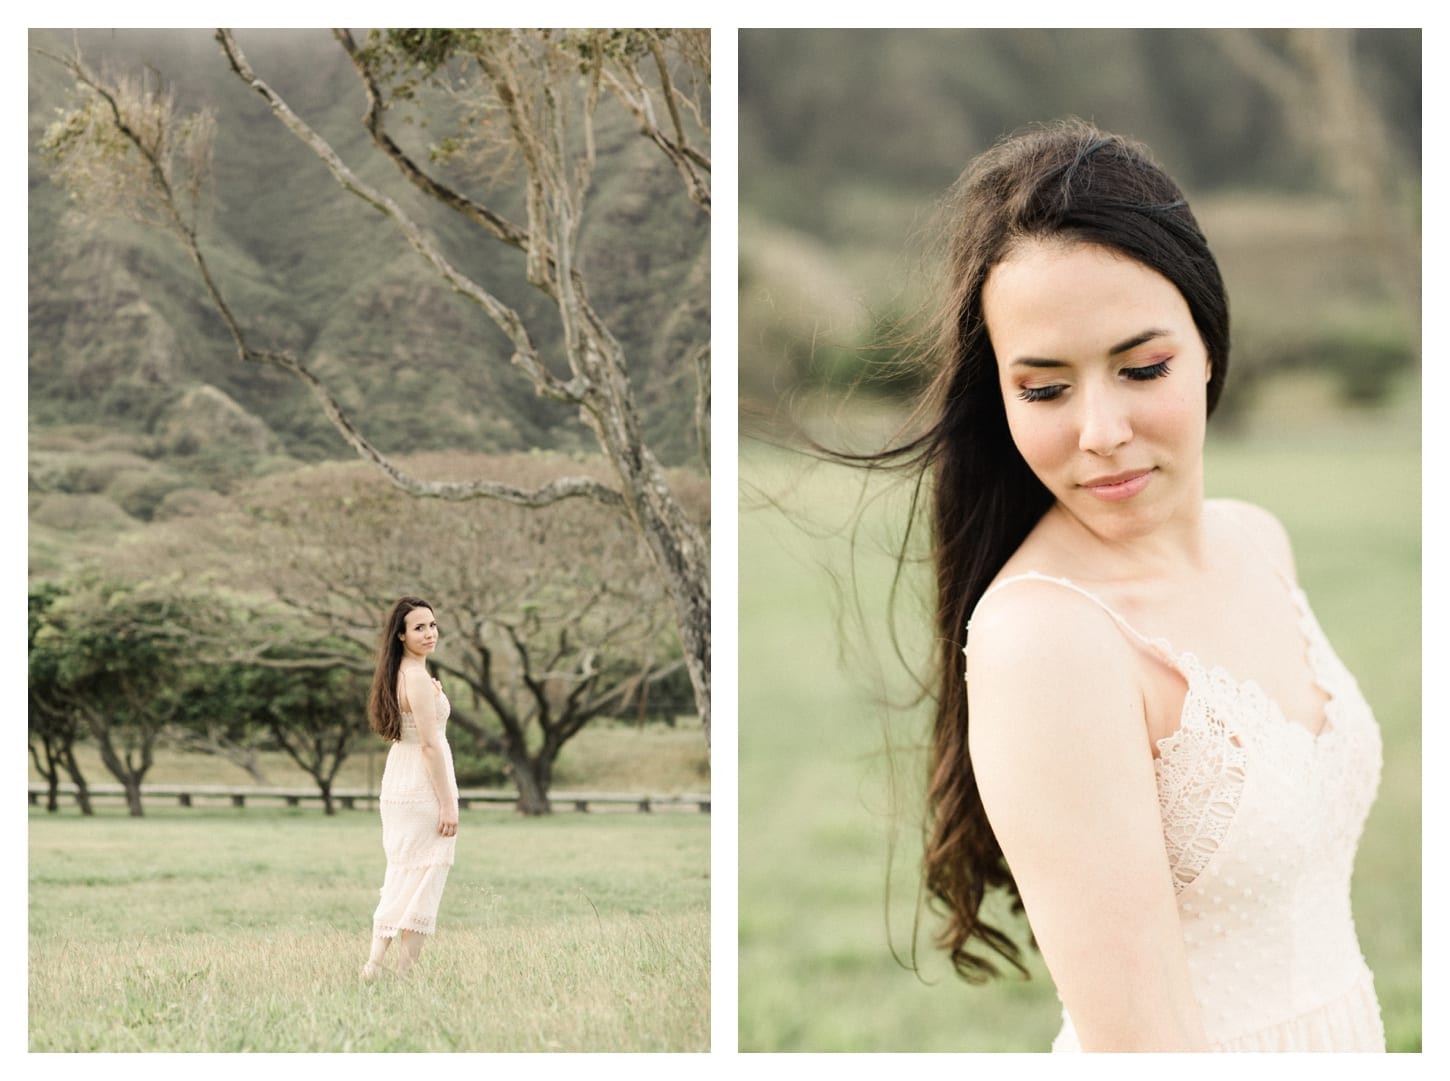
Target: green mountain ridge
[(122, 339)]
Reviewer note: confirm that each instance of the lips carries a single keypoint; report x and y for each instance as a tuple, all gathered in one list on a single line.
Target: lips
[(1116, 487)]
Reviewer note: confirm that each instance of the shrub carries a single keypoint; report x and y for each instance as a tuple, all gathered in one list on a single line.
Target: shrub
[(477, 769)]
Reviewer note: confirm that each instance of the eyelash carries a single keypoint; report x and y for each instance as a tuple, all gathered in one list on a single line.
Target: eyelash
[(1138, 375)]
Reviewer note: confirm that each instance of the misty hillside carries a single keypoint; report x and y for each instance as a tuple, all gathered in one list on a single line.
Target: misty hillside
[(127, 358)]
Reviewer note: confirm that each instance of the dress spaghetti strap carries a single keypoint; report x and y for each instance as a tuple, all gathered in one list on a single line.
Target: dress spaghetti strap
[(1158, 645)]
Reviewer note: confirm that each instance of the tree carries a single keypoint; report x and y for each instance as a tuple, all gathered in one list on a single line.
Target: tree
[(550, 616), (1318, 83), (126, 145), (220, 720), (314, 714), (226, 736), (52, 722), (110, 655), (308, 718)]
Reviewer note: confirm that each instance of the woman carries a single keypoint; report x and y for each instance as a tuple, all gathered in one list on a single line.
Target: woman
[(419, 795), (1165, 762)]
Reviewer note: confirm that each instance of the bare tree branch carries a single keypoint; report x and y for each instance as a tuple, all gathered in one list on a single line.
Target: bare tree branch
[(702, 403), (636, 97), (471, 209), (526, 355), (151, 152)]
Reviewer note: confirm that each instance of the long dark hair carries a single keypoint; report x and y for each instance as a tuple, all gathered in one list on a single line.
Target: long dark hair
[(385, 716), (1070, 181)]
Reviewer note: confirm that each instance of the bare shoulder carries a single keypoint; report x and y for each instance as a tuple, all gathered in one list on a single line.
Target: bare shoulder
[(1261, 527), (417, 688), (1032, 621), (1029, 612), (1045, 659)]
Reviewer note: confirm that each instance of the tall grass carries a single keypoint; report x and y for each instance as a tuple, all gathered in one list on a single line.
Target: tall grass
[(830, 774), (219, 930)]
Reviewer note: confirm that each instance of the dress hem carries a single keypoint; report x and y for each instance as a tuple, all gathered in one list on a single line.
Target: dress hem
[(394, 932)]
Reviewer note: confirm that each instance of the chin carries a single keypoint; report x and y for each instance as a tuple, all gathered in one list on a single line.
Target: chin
[(1115, 521)]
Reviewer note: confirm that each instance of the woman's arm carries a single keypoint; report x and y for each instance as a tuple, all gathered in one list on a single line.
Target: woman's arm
[(436, 759), (1062, 759)]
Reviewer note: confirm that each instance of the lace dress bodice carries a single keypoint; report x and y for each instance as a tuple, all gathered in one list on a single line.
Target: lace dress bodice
[(405, 776), (410, 726), (1261, 819)]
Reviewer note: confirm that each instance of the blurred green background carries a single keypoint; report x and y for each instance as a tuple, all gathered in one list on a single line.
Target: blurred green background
[(1299, 151)]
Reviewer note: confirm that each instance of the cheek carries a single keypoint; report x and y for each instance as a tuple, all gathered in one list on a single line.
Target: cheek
[(1176, 417), (1040, 440)]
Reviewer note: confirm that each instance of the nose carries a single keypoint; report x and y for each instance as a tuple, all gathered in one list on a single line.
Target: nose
[(1104, 425)]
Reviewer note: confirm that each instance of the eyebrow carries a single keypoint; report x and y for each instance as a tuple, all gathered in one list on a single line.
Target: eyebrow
[(1122, 347)]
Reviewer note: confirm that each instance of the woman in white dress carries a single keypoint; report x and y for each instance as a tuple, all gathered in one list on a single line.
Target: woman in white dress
[(1180, 831), (419, 793)]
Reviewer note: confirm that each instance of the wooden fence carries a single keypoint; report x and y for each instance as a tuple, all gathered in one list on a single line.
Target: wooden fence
[(194, 795)]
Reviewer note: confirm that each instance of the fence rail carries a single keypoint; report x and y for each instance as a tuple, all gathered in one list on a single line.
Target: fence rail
[(192, 795)]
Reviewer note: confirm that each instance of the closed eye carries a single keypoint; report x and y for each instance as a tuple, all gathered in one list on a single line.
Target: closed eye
[(1149, 371), (1040, 394), (1140, 374)]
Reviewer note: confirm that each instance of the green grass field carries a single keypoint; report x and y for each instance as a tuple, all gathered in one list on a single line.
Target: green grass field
[(819, 752), (233, 930)]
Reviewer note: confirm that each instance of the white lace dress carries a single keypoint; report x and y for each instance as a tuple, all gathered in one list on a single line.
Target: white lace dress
[(418, 855), (1261, 819)]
